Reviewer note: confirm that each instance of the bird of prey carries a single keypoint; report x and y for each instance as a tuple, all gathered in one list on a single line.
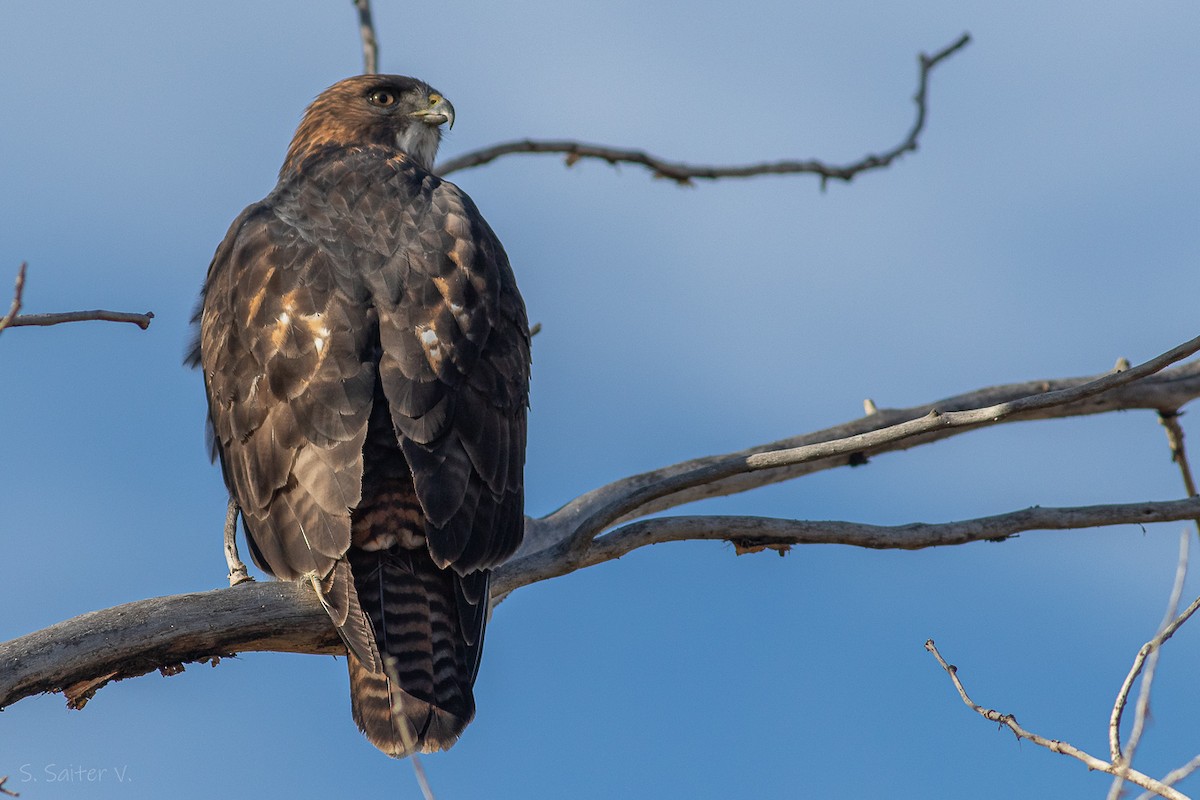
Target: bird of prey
[(366, 358)]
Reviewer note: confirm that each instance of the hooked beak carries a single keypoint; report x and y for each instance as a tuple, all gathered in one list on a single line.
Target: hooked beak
[(439, 112)]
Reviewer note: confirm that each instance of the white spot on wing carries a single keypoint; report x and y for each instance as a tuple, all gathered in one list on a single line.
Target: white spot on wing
[(431, 344), (320, 332)]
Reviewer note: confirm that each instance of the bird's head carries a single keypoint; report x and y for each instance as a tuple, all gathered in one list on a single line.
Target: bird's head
[(374, 109)]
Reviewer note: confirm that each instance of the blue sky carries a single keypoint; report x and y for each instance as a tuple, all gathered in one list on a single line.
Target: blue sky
[(1047, 226)]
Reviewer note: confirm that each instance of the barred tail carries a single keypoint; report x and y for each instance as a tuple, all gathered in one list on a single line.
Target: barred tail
[(428, 626)]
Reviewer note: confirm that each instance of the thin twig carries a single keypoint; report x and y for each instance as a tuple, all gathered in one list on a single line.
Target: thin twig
[(1009, 721), (406, 731), (100, 315), (370, 44), (1176, 775), (1168, 631), (422, 779), (684, 174), (1124, 755), (1142, 708), (1139, 661), (6, 791), (1170, 422), (14, 319), (18, 292)]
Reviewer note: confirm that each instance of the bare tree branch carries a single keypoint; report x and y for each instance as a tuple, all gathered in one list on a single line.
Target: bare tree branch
[(686, 173), (6, 791), (15, 320), (1170, 422), (1146, 656), (1176, 775), (1009, 721), (1142, 707), (749, 534), (18, 291), (1171, 389), (366, 30), (422, 778), (98, 315), (1124, 755), (80, 655), (639, 495)]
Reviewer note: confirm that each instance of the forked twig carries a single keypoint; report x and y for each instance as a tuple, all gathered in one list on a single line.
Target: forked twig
[(1124, 755), (1009, 721), (15, 308), (1150, 648)]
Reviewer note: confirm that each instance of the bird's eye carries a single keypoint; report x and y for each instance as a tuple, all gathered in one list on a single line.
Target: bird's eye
[(382, 98)]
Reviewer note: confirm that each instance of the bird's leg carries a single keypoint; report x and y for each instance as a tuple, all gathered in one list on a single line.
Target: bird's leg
[(237, 570)]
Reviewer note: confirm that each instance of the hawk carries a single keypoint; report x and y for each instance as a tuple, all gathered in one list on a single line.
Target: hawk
[(366, 359)]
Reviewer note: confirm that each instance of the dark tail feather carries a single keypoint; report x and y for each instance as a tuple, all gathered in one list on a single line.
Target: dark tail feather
[(420, 629), (419, 726), (340, 600)]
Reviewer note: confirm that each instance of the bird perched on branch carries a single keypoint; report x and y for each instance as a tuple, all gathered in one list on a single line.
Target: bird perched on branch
[(366, 358)]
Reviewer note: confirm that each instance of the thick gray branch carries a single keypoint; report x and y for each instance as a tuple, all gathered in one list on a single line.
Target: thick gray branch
[(80, 655), (750, 534)]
